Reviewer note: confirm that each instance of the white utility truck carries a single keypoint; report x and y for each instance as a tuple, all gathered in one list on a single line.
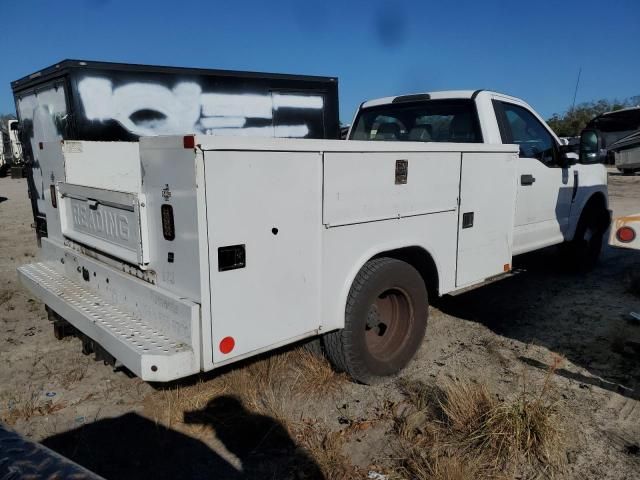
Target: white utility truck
[(180, 254)]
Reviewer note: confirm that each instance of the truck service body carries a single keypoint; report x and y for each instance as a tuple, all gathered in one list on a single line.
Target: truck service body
[(191, 252)]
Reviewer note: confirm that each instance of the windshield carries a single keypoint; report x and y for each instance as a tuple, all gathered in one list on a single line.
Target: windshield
[(427, 121)]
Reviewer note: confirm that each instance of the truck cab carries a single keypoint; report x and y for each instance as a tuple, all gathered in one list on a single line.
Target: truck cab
[(559, 199)]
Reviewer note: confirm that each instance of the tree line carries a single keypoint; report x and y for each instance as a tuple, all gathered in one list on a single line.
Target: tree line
[(573, 121)]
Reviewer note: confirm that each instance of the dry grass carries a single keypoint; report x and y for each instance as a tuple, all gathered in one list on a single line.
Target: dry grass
[(468, 433), (326, 448), (268, 386), (466, 406), (424, 464), (314, 374), (5, 296), (274, 386), (27, 405), (68, 378)]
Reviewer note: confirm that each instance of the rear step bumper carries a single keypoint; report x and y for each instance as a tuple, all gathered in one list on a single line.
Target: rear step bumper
[(149, 352)]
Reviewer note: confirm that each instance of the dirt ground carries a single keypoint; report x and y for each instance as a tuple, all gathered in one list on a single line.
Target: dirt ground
[(504, 335)]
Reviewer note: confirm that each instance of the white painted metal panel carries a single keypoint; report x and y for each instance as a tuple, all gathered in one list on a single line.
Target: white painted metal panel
[(52, 168), (42, 108), (362, 187), (304, 145), (347, 248), (486, 247), (137, 322), (108, 165), (169, 178), (109, 221), (270, 202)]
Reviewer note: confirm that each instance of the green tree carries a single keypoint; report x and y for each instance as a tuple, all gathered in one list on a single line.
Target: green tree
[(573, 121)]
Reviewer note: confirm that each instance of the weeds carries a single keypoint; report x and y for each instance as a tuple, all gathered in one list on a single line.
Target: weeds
[(265, 386), (28, 405), (468, 432), (325, 447)]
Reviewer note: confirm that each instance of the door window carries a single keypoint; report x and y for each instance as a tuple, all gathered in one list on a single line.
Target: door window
[(521, 127)]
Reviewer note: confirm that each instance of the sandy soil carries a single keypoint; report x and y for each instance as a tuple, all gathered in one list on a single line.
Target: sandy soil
[(503, 335)]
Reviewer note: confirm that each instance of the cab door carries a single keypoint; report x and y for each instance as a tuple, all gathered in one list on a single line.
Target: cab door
[(544, 189)]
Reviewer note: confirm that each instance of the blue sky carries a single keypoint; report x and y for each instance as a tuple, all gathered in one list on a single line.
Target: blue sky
[(377, 48)]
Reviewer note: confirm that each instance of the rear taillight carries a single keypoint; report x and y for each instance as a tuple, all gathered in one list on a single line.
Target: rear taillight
[(626, 234), (189, 141), (168, 226)]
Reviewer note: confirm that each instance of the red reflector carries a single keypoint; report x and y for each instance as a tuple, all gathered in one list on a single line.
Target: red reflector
[(626, 234), (227, 344), (189, 141)]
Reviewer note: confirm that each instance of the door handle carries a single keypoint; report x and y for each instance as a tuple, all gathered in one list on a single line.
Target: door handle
[(527, 179)]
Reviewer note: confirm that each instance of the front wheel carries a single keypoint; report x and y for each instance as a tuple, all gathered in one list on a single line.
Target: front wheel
[(385, 321), (584, 250)]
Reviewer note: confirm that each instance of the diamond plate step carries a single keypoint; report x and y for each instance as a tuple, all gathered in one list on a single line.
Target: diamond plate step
[(147, 351)]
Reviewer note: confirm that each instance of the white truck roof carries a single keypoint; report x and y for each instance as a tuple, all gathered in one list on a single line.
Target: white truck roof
[(445, 94)]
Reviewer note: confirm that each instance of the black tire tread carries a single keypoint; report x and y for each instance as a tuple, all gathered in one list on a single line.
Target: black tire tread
[(337, 344)]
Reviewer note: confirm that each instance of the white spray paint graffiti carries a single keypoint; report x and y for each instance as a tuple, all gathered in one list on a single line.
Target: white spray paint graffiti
[(42, 109), (186, 109)]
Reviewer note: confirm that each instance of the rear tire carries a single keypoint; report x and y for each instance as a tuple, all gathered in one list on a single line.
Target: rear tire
[(385, 321)]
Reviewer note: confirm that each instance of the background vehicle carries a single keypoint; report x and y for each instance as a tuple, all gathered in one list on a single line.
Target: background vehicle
[(614, 138), (100, 101), (11, 157), (3, 161)]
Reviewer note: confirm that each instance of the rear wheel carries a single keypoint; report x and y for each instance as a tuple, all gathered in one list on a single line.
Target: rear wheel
[(385, 321)]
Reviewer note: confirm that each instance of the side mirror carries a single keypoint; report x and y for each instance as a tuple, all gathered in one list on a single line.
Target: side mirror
[(567, 156), (590, 147)]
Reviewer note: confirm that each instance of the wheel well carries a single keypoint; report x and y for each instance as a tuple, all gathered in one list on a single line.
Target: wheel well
[(422, 261)]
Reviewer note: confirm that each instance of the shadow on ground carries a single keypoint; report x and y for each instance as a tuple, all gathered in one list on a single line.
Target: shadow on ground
[(583, 317), (133, 447)]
